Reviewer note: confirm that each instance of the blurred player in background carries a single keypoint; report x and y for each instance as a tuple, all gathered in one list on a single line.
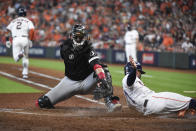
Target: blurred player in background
[(83, 71), (147, 101), (22, 32), (131, 39), (187, 46)]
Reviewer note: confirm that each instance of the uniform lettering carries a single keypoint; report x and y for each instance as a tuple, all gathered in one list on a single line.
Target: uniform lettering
[(18, 25)]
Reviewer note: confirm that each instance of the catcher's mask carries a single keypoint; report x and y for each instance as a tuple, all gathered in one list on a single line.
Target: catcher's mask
[(128, 68), (78, 35)]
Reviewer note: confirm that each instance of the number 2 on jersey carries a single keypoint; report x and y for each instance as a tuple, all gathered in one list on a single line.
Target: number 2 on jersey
[(18, 25)]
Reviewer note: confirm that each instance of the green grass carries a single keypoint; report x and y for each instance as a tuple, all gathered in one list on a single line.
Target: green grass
[(159, 80), (9, 86), (43, 63), (117, 74)]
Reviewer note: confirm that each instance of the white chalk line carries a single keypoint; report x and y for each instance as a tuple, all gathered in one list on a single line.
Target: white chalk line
[(24, 80), (22, 111)]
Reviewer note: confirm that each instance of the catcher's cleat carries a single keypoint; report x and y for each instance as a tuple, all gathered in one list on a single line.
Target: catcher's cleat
[(44, 102), (182, 113), (113, 104)]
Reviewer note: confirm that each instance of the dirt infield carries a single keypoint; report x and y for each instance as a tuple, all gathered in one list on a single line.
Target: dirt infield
[(18, 111)]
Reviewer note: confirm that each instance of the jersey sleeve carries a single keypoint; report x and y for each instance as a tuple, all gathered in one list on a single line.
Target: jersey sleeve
[(63, 48), (131, 77), (93, 58), (126, 38), (61, 51), (9, 26), (30, 24), (137, 35)]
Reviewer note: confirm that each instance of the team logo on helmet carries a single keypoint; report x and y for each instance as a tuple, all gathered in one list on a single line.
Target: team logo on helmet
[(21, 11), (71, 56)]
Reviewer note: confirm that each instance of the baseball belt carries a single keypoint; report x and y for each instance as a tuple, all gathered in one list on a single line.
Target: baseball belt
[(145, 103), (20, 36)]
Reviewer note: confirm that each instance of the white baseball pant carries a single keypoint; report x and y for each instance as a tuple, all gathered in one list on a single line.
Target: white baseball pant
[(68, 88), (20, 44), (130, 50)]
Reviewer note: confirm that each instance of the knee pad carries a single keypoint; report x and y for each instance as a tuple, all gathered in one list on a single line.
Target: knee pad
[(44, 102), (192, 104)]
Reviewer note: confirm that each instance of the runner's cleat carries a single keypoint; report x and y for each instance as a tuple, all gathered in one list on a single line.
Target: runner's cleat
[(25, 77)]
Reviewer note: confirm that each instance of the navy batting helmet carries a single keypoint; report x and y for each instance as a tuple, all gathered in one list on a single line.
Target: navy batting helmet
[(128, 68), (128, 27), (21, 11)]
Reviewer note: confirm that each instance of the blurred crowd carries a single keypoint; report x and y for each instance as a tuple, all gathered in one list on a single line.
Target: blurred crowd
[(163, 25)]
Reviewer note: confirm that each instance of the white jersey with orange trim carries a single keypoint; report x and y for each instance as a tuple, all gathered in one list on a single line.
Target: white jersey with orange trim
[(148, 102), (20, 27)]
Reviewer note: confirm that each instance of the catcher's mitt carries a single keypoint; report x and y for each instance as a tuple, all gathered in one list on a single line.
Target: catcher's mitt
[(104, 88)]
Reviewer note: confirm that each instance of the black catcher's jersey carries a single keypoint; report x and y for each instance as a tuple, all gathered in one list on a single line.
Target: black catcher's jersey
[(78, 63)]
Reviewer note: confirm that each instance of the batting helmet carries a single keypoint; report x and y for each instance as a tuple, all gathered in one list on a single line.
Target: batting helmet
[(128, 27), (21, 11), (128, 68)]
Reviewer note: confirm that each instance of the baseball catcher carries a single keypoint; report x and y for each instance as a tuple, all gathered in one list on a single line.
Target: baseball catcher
[(83, 70)]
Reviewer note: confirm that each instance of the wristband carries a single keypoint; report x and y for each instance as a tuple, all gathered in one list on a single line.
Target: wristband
[(99, 70)]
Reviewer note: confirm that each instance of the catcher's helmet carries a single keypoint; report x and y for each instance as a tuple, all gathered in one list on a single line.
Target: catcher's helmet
[(78, 34), (21, 11), (128, 68)]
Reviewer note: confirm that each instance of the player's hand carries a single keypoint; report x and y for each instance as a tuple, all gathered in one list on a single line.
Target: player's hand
[(8, 44), (132, 62), (30, 43)]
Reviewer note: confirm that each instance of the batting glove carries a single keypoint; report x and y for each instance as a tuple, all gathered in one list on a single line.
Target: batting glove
[(8, 44), (30, 43)]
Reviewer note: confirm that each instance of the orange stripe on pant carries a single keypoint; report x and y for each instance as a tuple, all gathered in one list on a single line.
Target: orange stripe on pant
[(169, 99)]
